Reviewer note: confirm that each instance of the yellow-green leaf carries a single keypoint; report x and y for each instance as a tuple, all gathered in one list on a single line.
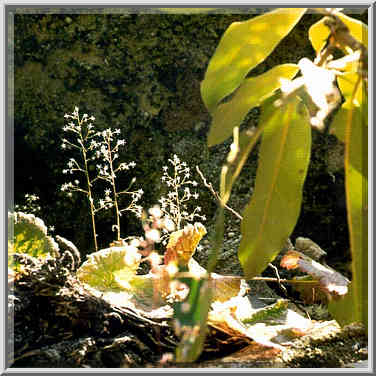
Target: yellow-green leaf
[(243, 46), (30, 237), (110, 269), (274, 208), (182, 244), (247, 140), (251, 93), (343, 310), (319, 33), (351, 126)]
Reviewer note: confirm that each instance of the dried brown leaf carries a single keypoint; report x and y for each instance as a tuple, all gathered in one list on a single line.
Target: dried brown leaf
[(330, 280)]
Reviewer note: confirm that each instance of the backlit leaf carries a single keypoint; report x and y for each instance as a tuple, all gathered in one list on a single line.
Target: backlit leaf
[(319, 33), (30, 237), (182, 244), (243, 46), (344, 310), (247, 140), (110, 269), (251, 93), (274, 208), (351, 126)]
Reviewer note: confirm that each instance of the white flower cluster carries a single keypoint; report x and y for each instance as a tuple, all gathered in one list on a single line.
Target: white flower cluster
[(174, 206), (107, 149), (103, 148), (30, 205)]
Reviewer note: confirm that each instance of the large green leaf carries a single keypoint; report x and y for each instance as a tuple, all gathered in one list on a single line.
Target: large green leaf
[(243, 46), (30, 237), (274, 208), (319, 33), (247, 140), (351, 126), (110, 269), (251, 93)]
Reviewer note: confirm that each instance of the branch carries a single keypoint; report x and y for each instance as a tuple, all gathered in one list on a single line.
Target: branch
[(216, 195)]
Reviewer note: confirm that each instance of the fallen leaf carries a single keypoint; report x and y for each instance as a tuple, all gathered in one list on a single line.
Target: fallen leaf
[(182, 244), (330, 280)]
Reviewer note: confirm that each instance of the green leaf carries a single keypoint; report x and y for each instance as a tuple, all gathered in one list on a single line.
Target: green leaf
[(110, 269), (30, 237), (319, 33), (343, 310), (351, 126), (243, 46), (251, 93), (191, 319), (274, 208), (268, 313), (247, 140)]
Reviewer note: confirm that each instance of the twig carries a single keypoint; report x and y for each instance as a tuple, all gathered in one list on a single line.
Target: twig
[(215, 194), (265, 279), (278, 278)]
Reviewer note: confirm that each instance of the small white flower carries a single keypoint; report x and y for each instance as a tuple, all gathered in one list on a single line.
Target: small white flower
[(155, 211), (152, 235), (169, 224)]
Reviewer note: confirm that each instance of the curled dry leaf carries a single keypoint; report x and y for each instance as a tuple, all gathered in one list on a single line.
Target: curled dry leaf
[(331, 281), (182, 244)]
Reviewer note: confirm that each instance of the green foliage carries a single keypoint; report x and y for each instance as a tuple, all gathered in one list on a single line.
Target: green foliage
[(319, 33), (271, 215), (243, 46), (351, 126), (110, 269), (251, 93), (268, 313), (29, 237), (284, 128), (191, 319)]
